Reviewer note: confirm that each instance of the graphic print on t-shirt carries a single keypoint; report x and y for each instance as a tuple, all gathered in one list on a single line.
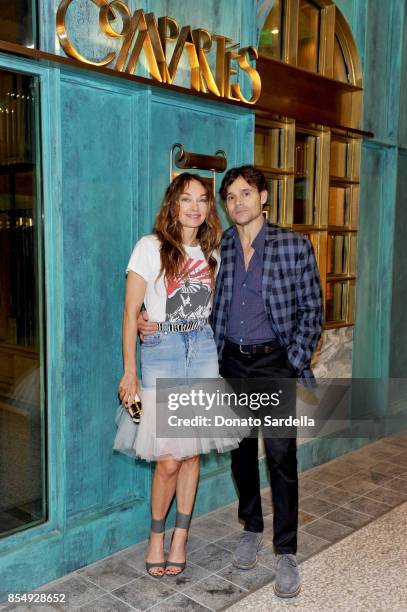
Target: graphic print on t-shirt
[(188, 294)]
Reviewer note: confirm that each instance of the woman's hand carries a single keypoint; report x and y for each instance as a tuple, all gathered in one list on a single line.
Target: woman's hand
[(128, 389)]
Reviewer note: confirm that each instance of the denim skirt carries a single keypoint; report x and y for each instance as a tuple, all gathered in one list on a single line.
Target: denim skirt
[(188, 356)]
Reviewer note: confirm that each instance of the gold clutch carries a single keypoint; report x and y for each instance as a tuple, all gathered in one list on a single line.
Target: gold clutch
[(134, 410)]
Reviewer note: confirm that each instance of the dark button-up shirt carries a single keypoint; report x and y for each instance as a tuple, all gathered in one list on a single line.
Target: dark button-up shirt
[(248, 322)]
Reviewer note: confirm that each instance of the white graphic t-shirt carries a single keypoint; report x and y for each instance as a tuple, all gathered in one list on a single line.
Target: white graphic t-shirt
[(187, 297)]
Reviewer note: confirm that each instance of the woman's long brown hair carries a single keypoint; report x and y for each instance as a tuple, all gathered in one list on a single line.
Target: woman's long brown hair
[(168, 228)]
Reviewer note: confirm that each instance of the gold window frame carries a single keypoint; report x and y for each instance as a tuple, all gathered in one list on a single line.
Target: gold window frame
[(333, 230)]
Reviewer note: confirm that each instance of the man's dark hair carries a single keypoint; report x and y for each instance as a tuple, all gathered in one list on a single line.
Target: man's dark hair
[(251, 175)]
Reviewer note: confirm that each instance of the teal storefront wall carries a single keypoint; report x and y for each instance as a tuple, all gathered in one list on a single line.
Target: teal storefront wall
[(105, 152)]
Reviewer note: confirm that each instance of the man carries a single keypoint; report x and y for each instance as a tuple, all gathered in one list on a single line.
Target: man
[(267, 320)]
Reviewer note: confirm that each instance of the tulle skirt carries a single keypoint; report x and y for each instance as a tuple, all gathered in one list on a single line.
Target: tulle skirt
[(141, 441)]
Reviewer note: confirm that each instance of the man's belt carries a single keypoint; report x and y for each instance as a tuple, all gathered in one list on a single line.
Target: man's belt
[(252, 349)]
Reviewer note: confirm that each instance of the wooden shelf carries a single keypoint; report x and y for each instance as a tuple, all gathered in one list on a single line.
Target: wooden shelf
[(337, 181), (272, 172), (331, 278), (336, 325), (339, 229)]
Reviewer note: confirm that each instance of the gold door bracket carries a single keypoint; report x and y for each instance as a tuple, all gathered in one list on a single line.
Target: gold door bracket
[(186, 160)]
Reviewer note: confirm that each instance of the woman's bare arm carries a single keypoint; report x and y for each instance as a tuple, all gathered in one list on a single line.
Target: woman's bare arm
[(135, 291)]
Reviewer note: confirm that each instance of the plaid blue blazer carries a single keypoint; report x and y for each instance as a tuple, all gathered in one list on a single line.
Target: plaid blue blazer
[(291, 291)]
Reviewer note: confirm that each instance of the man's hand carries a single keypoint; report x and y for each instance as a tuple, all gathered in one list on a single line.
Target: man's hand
[(144, 327)]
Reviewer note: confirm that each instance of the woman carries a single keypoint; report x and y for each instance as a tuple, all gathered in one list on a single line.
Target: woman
[(173, 272)]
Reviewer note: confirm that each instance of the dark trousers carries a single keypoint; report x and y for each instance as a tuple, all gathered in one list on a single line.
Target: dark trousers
[(281, 455)]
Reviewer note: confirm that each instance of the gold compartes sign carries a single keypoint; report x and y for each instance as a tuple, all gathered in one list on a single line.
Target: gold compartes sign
[(142, 32)]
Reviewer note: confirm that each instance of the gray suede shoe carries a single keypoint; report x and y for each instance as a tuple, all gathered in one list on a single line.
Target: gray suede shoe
[(245, 556), (287, 582)]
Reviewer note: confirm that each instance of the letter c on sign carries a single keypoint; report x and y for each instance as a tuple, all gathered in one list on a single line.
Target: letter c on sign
[(66, 43)]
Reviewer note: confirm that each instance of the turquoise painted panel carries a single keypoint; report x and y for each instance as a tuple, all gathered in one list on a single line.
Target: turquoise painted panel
[(367, 297), (403, 88), (355, 12), (347, 8), (374, 266), (219, 16), (359, 25), (398, 351), (99, 207), (142, 169), (46, 17), (382, 68)]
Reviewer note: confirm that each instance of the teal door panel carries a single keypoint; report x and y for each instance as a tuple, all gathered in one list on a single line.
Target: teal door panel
[(374, 268), (99, 214), (398, 336)]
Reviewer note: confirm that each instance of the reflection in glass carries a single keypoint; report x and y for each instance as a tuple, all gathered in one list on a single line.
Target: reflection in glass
[(341, 70), (351, 305), (354, 208), (338, 211), (315, 239), (21, 417), (304, 190), (269, 147), (336, 298), (308, 35), (352, 253), (271, 38), (17, 22), (276, 188), (337, 254), (339, 158)]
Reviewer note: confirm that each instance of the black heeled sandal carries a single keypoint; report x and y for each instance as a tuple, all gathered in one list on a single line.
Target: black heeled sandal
[(157, 526), (182, 521)]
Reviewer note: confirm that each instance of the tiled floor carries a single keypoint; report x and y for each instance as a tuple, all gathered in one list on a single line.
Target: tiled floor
[(365, 572), (335, 499)]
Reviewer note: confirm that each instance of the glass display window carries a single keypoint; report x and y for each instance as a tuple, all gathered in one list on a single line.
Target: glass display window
[(305, 179), (18, 23), (309, 24), (318, 196), (336, 302), (313, 35), (271, 37), (22, 415)]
